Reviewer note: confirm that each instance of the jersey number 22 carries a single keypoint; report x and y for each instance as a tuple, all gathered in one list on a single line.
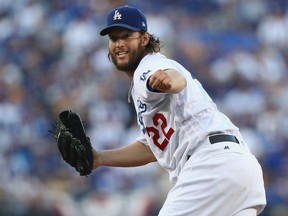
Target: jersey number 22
[(156, 132)]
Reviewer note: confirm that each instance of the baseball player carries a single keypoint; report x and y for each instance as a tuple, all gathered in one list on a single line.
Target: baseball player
[(211, 167)]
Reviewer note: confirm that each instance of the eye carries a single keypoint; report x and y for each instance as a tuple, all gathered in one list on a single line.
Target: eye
[(113, 39), (125, 36)]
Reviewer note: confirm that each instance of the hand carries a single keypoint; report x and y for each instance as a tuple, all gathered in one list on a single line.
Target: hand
[(168, 81), (161, 81)]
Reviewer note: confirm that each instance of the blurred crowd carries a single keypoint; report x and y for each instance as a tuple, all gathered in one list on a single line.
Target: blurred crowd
[(52, 58)]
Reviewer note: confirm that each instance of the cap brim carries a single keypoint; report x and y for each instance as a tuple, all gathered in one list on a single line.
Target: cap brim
[(107, 30)]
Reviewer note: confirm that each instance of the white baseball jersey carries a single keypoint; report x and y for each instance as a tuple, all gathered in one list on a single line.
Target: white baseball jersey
[(173, 124)]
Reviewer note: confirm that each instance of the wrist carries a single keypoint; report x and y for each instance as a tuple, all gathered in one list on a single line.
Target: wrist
[(96, 161)]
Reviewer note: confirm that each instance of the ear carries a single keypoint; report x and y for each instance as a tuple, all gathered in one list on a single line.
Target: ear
[(145, 38)]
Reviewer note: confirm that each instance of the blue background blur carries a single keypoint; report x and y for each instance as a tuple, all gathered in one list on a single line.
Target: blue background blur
[(52, 58)]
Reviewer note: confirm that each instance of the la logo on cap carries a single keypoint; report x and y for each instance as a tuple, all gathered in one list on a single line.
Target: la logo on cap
[(117, 15)]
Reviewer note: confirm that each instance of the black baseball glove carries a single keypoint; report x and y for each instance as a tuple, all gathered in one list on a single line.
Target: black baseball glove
[(73, 144)]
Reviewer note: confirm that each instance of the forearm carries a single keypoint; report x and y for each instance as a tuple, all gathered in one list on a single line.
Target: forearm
[(178, 82), (135, 154)]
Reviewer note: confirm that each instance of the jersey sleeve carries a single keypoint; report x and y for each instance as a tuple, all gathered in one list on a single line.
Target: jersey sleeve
[(143, 140)]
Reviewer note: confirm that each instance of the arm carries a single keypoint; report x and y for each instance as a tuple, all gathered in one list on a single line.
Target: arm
[(135, 154), (169, 81)]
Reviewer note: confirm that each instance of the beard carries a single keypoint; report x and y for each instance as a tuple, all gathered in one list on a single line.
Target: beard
[(135, 58)]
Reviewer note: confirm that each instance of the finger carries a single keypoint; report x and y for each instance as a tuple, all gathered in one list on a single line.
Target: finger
[(154, 77), (60, 140), (66, 145), (155, 81), (152, 80), (83, 164), (166, 84), (73, 152)]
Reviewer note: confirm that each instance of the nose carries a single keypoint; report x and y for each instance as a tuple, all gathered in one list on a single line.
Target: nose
[(119, 42)]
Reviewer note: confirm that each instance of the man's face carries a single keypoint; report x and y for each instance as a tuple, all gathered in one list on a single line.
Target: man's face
[(126, 49)]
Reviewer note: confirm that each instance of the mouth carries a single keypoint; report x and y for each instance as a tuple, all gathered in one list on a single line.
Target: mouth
[(121, 54)]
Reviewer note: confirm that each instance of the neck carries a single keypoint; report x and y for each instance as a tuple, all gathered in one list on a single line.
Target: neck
[(130, 74)]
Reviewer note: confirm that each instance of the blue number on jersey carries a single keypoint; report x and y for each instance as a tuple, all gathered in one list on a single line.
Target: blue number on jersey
[(142, 107)]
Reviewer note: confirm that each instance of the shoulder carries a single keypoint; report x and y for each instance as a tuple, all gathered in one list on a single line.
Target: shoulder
[(153, 62), (153, 57)]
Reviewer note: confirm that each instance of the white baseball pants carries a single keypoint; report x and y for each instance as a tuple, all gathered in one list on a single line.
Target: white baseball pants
[(220, 179)]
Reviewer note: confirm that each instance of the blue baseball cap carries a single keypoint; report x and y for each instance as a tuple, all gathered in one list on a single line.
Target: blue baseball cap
[(126, 17)]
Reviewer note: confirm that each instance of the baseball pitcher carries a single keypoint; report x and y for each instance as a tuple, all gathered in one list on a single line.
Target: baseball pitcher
[(210, 165)]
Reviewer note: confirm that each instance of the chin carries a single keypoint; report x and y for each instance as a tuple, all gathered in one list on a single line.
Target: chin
[(123, 68), (126, 66)]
